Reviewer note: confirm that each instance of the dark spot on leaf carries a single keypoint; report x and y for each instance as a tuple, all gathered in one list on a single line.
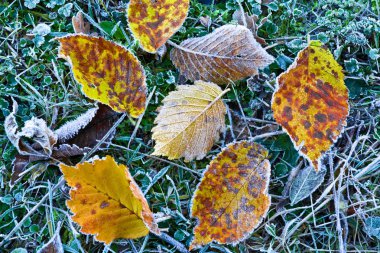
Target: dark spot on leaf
[(321, 117), (318, 135), (104, 204), (307, 124)]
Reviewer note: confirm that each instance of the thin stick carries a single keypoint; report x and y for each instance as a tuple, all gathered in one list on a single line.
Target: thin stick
[(157, 158), (266, 135), (179, 246), (140, 118), (242, 14), (336, 203)]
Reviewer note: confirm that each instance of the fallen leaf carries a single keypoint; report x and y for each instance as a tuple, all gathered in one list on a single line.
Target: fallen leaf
[(54, 245), (232, 198), (74, 138), (34, 138), (108, 72), (250, 22), (205, 21), (79, 25), (106, 201), (242, 18), (153, 22), (311, 102), (305, 183), (87, 129), (372, 226), (227, 54), (68, 150), (190, 121)]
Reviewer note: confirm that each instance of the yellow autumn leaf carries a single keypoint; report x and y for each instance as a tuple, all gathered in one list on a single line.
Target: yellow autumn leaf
[(108, 72), (189, 121), (107, 202), (154, 22), (232, 198), (311, 102)]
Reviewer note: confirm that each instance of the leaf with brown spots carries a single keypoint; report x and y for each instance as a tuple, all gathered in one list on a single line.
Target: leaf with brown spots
[(190, 121), (311, 102), (108, 72), (154, 22), (232, 198), (227, 54), (107, 202)]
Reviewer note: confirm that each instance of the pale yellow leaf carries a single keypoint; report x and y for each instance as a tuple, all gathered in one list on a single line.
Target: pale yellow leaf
[(190, 121)]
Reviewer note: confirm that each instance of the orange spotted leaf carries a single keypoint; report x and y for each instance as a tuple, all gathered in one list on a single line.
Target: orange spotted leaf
[(154, 22), (107, 202), (108, 72), (311, 102), (232, 198)]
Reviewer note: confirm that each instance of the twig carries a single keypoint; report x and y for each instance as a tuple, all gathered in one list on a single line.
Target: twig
[(179, 246), (157, 158), (336, 202), (140, 118), (242, 14), (266, 135), (241, 109), (231, 122), (369, 168)]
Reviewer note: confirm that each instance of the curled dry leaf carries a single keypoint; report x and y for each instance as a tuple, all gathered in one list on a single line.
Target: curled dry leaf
[(227, 54), (34, 138), (108, 72), (154, 22), (250, 21), (74, 138), (71, 128), (190, 121), (54, 245), (232, 198), (107, 202), (86, 130), (79, 25), (311, 102)]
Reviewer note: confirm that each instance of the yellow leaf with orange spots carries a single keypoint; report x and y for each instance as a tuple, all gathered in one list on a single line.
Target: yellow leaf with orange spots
[(107, 202), (154, 22), (190, 121), (108, 72), (232, 198), (311, 102)]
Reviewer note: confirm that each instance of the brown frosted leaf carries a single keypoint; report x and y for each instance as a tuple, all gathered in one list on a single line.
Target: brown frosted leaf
[(311, 102), (34, 138), (189, 121), (87, 129), (232, 198), (227, 54), (75, 138), (54, 245)]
